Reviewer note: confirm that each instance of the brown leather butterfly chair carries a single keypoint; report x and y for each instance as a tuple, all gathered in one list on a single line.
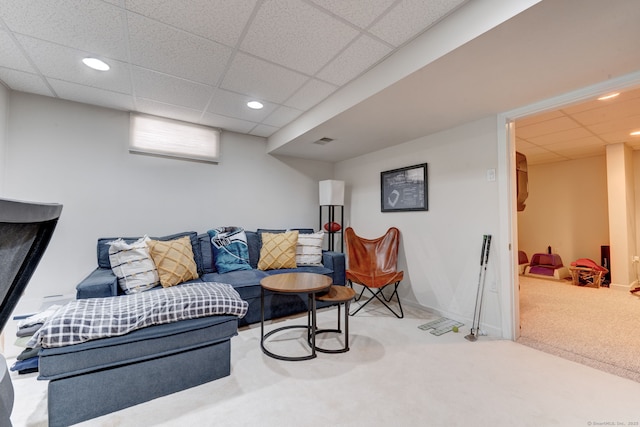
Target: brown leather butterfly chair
[(372, 264)]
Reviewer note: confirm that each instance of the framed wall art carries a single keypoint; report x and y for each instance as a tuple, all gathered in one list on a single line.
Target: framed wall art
[(404, 189)]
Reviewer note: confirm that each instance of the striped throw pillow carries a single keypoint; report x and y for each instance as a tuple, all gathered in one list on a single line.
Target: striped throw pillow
[(309, 249), (132, 265)]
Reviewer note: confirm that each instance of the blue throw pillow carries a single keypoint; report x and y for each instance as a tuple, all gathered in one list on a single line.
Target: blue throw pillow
[(230, 251)]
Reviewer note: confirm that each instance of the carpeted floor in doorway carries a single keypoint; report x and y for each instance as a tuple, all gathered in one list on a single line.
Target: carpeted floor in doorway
[(598, 327)]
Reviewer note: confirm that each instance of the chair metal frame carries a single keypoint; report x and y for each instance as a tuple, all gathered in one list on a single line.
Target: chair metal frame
[(394, 235)]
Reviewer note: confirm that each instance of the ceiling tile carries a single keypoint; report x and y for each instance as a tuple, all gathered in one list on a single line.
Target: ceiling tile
[(634, 143), (361, 14), (310, 94), (565, 135), (24, 82), (354, 60), (12, 56), (92, 95), (613, 111), (532, 150), (296, 35), (226, 123), (282, 116), (584, 152), (589, 142), (166, 49), (542, 117), (617, 123), (195, 16), (91, 25), (170, 90), (544, 157), (64, 63), (232, 104), (262, 80), (582, 106), (523, 144), (175, 112), (546, 127), (411, 17), (263, 130), (618, 136)]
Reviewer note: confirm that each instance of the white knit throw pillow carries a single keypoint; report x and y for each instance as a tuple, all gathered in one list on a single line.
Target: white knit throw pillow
[(309, 249), (132, 265)]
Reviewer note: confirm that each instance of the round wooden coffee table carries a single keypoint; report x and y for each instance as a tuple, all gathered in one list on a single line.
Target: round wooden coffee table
[(298, 283)]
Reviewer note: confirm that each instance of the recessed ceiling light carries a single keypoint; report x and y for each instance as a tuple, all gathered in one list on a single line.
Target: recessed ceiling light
[(96, 64), (255, 105), (611, 95), (635, 133)]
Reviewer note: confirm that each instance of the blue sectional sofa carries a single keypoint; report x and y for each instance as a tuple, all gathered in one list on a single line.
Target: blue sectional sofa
[(101, 376), (103, 283)]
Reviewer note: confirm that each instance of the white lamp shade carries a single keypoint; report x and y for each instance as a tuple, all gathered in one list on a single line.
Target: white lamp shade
[(331, 193)]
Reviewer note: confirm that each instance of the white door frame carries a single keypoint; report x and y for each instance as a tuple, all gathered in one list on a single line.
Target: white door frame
[(509, 283)]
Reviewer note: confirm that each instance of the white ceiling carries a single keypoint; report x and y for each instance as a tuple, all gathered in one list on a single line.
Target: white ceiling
[(369, 74), (202, 60), (581, 130)]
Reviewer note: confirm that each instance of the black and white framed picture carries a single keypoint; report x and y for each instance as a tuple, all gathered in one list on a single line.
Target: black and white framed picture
[(404, 189)]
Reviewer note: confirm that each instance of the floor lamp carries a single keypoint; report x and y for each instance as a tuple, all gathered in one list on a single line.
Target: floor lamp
[(332, 195)]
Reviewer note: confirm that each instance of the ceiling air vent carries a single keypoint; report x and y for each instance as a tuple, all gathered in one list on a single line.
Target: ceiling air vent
[(323, 141)]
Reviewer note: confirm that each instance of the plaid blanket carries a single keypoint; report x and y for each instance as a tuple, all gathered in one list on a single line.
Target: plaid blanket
[(89, 319)]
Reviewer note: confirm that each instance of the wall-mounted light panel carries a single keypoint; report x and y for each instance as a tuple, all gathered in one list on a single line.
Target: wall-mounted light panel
[(172, 138)]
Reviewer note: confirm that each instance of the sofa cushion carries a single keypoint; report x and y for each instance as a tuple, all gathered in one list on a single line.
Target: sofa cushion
[(253, 244), (278, 250), (245, 282), (132, 265), (142, 344), (103, 247), (206, 252), (230, 251), (309, 248), (302, 269), (174, 260)]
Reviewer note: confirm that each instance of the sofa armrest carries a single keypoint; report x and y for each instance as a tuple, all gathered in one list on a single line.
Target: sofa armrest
[(100, 283), (336, 262)]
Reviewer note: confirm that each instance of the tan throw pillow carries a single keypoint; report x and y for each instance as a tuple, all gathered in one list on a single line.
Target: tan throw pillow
[(278, 250), (174, 260)]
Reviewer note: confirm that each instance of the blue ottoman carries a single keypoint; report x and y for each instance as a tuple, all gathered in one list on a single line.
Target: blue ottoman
[(97, 377)]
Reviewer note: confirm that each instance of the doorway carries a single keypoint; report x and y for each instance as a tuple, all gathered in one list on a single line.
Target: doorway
[(507, 146)]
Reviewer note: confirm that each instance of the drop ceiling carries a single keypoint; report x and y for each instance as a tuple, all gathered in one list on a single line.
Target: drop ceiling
[(581, 130), (202, 60), (366, 74)]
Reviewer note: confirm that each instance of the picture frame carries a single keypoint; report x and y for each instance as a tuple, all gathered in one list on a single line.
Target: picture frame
[(404, 189)]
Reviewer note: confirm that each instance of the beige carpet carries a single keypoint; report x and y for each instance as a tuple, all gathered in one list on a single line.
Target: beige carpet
[(394, 375), (598, 327)]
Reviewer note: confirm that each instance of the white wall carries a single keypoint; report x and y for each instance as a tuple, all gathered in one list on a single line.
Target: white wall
[(566, 209), (4, 111), (440, 249), (77, 155)]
